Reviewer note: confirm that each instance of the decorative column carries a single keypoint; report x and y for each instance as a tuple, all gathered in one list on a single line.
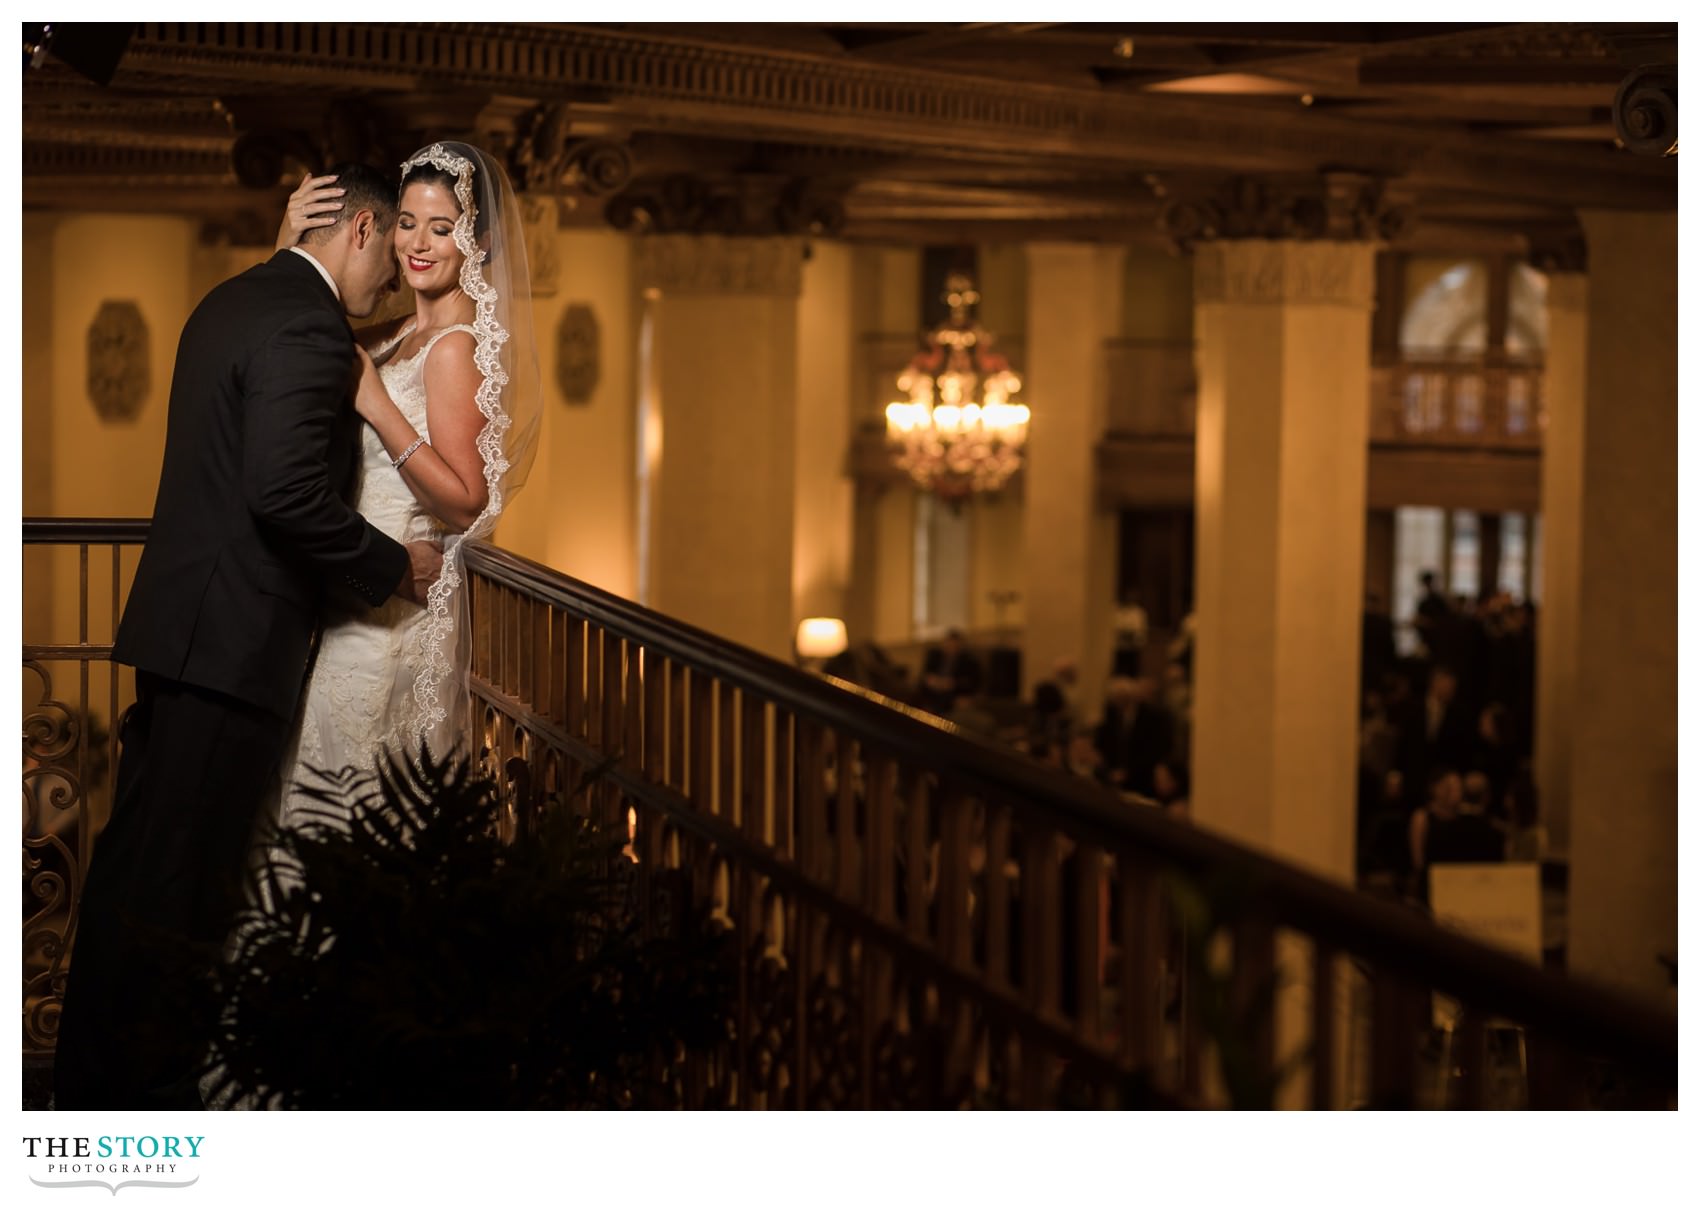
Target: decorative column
[(1282, 457), (1074, 300), (1564, 391), (825, 492), (1623, 768), (722, 312)]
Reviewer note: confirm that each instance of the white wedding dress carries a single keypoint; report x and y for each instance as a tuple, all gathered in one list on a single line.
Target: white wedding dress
[(360, 693)]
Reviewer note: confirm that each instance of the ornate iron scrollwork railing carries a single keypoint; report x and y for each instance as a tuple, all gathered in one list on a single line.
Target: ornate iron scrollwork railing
[(73, 697)]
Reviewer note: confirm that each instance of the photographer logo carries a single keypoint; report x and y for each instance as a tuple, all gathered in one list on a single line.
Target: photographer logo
[(113, 1162)]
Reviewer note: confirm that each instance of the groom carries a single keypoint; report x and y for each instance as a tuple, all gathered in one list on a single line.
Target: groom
[(250, 528)]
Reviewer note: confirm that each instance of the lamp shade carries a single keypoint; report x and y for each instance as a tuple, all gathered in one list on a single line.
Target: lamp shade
[(818, 639)]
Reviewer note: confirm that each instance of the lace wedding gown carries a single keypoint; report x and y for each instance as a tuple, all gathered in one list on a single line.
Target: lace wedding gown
[(360, 693)]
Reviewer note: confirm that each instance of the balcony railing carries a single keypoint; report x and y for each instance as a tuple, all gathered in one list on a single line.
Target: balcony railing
[(921, 920), (1420, 399), (1436, 399), (924, 920), (76, 572)]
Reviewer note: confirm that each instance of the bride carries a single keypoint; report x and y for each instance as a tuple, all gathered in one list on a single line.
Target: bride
[(449, 397)]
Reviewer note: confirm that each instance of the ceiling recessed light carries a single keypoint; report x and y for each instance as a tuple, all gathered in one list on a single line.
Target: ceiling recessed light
[(1124, 48), (1307, 99)]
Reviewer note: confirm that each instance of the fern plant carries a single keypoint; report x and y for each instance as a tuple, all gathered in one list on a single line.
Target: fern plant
[(397, 952)]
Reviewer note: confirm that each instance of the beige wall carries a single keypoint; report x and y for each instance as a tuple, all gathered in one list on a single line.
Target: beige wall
[(111, 468), (1156, 296), (577, 511), (724, 495)]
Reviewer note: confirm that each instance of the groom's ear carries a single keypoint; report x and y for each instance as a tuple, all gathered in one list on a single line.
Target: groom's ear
[(365, 227)]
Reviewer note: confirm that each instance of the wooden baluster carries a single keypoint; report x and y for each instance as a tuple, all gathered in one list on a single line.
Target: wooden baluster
[(784, 781), (655, 717), (678, 712), (613, 723), (879, 891), (846, 843), (1252, 986), (916, 852), (702, 742), (634, 699), (811, 797), (510, 642), (1469, 1052), (955, 942), (1395, 1008), (1142, 989), (879, 896), (996, 892), (572, 673), (753, 784), (1323, 1013), (593, 688), (571, 662), (478, 607), (555, 653), (499, 639), (1041, 919), (1088, 951), (1193, 957), (526, 673), (726, 750), (536, 662)]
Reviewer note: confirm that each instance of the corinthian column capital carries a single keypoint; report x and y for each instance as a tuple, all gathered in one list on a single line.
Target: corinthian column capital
[(720, 265), (1285, 271)]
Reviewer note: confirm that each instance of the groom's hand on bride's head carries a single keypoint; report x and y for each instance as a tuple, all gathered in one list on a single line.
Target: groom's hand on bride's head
[(424, 562)]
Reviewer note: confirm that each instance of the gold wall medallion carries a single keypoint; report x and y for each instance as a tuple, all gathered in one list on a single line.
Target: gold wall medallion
[(578, 358), (118, 360)]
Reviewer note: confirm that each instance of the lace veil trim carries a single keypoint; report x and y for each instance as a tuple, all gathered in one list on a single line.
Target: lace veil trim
[(489, 336)]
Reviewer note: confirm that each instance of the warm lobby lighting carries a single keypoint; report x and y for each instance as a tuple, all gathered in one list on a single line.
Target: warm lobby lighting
[(819, 639), (959, 432)]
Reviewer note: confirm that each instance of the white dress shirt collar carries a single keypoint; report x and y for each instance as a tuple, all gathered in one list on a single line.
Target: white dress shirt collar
[(323, 272)]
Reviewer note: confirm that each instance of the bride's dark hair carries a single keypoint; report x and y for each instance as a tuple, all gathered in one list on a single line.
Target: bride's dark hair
[(430, 174)]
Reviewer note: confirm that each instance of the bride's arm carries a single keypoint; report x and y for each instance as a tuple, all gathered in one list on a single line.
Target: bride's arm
[(445, 475)]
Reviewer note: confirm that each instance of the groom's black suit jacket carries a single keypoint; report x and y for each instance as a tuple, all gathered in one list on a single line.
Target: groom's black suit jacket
[(250, 525)]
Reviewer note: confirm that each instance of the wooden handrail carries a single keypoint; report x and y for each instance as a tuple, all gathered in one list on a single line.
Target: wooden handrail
[(1336, 915), (86, 530)]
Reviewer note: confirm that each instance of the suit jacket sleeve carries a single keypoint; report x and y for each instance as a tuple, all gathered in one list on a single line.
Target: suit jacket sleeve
[(297, 385)]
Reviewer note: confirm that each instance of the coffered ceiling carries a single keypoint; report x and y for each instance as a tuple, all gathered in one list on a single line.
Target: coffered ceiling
[(874, 131)]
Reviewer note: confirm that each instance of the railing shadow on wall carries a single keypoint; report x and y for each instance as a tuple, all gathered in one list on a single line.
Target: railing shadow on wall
[(921, 920)]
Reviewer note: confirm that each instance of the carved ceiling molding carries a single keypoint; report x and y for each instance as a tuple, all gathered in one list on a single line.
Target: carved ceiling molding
[(1544, 42), (1285, 272), (1335, 206), (544, 154), (719, 265), (737, 204), (659, 81), (1643, 113)]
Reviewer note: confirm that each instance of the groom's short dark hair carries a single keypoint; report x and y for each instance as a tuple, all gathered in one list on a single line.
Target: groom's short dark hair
[(364, 188)]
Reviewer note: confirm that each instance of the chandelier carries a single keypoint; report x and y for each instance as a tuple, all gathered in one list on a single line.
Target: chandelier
[(958, 433)]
